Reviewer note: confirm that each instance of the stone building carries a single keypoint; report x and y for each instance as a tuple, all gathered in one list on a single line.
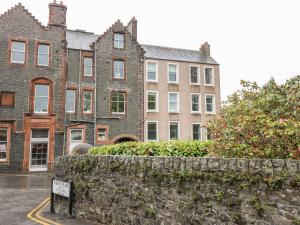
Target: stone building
[(61, 87)]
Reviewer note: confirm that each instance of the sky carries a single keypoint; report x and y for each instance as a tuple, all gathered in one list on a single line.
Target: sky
[(252, 40)]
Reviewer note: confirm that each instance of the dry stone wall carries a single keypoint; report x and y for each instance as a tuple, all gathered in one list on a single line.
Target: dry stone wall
[(123, 190)]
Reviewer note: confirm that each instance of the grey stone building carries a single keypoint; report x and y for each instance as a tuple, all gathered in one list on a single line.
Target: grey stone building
[(60, 88)]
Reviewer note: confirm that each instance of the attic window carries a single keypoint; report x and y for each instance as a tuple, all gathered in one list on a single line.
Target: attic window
[(119, 40), (18, 52)]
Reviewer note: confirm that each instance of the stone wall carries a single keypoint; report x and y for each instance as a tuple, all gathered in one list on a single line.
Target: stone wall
[(169, 191)]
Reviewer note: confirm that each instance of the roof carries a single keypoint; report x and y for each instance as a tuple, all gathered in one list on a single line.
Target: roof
[(176, 54), (78, 39)]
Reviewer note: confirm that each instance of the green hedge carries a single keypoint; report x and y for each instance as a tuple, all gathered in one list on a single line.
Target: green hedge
[(171, 148)]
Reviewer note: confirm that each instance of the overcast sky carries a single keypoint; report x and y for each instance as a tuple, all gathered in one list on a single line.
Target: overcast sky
[(250, 39)]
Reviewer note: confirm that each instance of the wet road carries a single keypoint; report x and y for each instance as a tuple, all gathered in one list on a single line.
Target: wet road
[(19, 194)]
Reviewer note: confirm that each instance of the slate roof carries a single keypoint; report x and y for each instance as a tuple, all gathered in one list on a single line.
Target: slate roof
[(82, 40)]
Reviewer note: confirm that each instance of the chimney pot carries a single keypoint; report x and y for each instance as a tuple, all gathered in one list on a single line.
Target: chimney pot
[(132, 28)]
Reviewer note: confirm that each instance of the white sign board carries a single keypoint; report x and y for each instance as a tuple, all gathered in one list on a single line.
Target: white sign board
[(2, 148), (61, 188)]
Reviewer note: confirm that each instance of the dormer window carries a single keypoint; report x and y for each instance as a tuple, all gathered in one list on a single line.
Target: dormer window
[(18, 52), (119, 40)]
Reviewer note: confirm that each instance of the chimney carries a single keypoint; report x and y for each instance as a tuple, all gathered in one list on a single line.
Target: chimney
[(205, 49), (132, 28), (57, 14)]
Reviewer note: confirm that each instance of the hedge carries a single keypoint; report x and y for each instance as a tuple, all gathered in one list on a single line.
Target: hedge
[(171, 148)]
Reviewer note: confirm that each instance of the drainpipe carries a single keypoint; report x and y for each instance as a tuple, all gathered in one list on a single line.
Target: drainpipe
[(95, 94), (79, 84), (65, 120)]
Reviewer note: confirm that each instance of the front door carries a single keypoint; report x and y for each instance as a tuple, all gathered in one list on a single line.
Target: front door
[(39, 146)]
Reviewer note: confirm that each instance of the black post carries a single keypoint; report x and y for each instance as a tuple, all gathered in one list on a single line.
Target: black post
[(71, 199), (52, 198)]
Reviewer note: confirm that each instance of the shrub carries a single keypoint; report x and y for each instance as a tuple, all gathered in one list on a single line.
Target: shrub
[(259, 122), (171, 148)]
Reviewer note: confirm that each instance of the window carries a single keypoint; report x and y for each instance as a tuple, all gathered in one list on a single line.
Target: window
[(173, 102), (209, 76), (197, 131), (76, 138), (87, 66), (174, 131), (195, 103), (152, 71), (152, 101), (41, 100), (195, 74), (43, 55), (210, 103), (118, 103), (118, 69), (119, 40), (152, 131), (87, 101), (172, 73), (71, 101), (7, 99), (3, 144), (102, 134), (18, 52)]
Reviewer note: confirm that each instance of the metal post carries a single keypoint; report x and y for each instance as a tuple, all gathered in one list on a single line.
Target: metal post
[(52, 198), (71, 199)]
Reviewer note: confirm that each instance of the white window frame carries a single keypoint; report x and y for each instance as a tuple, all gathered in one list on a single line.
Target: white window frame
[(119, 40), (105, 133), (118, 68), (156, 103), (48, 54), (169, 130), (125, 102), (90, 66), (7, 144), (24, 51), (48, 98), (156, 71), (212, 74), (178, 102), (157, 130), (91, 101), (177, 73), (199, 74), (201, 134), (214, 104), (75, 141), (74, 106), (191, 103)]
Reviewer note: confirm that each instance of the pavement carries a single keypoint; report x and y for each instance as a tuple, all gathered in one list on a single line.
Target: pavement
[(20, 194)]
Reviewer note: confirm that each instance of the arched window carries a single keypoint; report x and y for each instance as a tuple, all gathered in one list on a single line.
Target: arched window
[(41, 96)]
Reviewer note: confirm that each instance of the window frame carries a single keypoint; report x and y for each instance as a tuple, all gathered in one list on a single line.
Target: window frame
[(75, 98), (124, 69), (201, 128), (8, 128), (75, 127), (99, 142), (212, 76), (92, 100), (114, 40), (177, 73), (35, 97), (169, 130), (178, 102), (199, 103), (125, 103), (8, 92), (38, 54), (213, 103), (147, 130), (156, 101), (199, 74), (156, 71), (11, 51)]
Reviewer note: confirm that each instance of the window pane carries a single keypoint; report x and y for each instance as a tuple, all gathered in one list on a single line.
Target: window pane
[(173, 131), (195, 103), (43, 49), (118, 102), (18, 46), (194, 74), (88, 66), (173, 104), (118, 69), (71, 100), (3, 135), (151, 71), (18, 57), (118, 40), (196, 132), (209, 103), (39, 133), (102, 134), (41, 90), (3, 143), (151, 101), (208, 76), (172, 73), (43, 60), (76, 135), (87, 98), (152, 131), (18, 52), (41, 104)]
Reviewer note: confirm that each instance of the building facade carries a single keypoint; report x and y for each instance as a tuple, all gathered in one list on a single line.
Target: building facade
[(60, 88)]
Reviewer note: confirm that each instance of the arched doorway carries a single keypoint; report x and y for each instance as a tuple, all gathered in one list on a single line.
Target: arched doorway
[(124, 138)]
